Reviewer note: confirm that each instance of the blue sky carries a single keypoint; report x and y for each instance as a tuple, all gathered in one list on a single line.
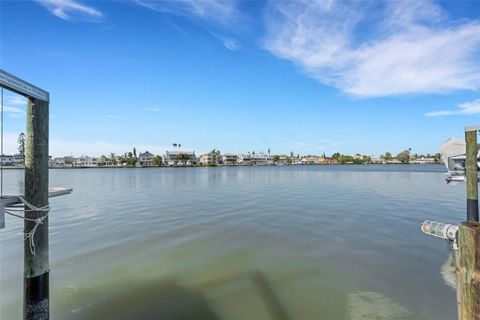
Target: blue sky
[(303, 76)]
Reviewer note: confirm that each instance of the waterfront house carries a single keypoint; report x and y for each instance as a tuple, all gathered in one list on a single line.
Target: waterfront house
[(8, 160), (57, 162), (376, 159), (19, 159), (281, 160), (69, 160), (86, 161), (331, 160), (244, 160), (180, 158), (260, 159), (423, 160), (229, 159), (210, 159), (145, 158), (313, 160)]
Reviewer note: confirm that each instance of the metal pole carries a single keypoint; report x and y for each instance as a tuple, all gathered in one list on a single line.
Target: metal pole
[(471, 174), (36, 266)]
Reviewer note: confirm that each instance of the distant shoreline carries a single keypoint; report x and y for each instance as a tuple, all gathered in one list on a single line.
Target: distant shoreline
[(222, 166)]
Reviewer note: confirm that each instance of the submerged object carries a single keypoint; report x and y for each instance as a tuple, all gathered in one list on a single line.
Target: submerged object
[(453, 152)]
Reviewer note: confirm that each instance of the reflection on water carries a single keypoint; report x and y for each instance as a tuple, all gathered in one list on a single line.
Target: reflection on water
[(331, 242)]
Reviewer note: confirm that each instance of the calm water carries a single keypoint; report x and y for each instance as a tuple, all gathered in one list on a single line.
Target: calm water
[(308, 242)]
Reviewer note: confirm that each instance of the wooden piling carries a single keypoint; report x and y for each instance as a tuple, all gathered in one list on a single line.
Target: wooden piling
[(36, 266), (458, 282), (471, 174), (469, 245)]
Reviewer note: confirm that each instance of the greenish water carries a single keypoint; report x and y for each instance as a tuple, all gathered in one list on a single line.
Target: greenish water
[(303, 242)]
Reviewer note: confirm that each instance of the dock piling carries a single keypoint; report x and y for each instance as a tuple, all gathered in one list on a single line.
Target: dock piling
[(36, 264), (468, 268), (471, 174)]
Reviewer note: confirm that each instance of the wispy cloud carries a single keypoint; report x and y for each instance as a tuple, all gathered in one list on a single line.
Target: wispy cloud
[(16, 100), (12, 106), (155, 109), (228, 42), (466, 108), (14, 112), (370, 49), (8, 109), (112, 116), (71, 10), (213, 14), (219, 11)]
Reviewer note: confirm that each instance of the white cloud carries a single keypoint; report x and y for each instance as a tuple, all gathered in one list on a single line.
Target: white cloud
[(12, 105), (8, 109), (466, 108), (228, 42), (71, 10), (155, 109), (112, 116), (17, 100), (215, 13), (212, 10), (370, 49)]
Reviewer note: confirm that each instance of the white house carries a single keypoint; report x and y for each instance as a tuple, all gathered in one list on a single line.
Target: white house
[(57, 162), (180, 158), (229, 159), (19, 159), (145, 158), (86, 161), (244, 160), (209, 159), (423, 160), (8, 160)]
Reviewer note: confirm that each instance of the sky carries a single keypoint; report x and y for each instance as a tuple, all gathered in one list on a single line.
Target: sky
[(310, 77)]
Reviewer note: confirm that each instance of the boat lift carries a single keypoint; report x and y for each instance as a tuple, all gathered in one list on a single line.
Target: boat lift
[(453, 156)]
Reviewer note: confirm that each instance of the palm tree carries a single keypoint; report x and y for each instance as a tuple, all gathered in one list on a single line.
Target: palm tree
[(103, 159), (113, 158), (174, 145)]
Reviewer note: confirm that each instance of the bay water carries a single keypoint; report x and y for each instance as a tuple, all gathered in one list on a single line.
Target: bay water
[(285, 242)]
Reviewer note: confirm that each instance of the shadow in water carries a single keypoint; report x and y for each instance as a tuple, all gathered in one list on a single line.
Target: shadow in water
[(150, 301), (167, 300)]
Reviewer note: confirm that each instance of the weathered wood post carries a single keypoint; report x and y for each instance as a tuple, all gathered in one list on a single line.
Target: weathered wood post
[(469, 236), (471, 174), (36, 266)]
